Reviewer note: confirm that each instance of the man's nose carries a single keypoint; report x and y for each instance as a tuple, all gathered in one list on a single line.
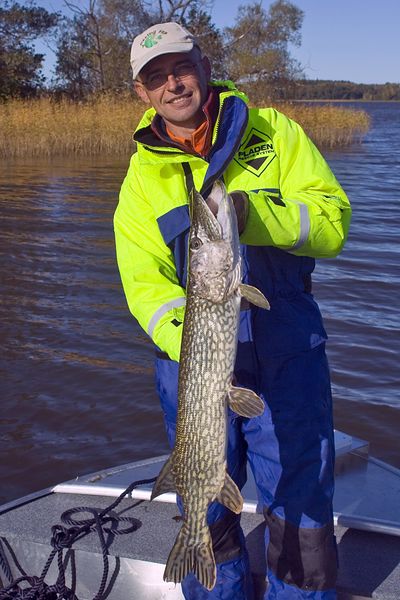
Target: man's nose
[(173, 82)]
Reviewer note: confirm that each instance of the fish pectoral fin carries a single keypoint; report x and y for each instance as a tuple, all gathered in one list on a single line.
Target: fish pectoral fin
[(254, 296), (192, 556), (165, 481), (230, 495), (245, 402)]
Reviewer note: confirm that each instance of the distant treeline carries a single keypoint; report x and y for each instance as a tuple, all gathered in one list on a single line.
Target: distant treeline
[(315, 89)]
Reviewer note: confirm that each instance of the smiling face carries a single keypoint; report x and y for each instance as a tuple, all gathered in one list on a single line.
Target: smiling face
[(176, 86)]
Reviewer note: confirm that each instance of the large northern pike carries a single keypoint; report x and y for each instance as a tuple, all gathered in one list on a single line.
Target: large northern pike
[(196, 469)]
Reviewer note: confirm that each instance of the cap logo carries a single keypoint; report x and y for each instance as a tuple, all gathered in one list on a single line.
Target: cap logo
[(152, 38)]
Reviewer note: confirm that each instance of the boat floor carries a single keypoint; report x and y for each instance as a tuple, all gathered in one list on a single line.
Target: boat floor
[(367, 498), (369, 562)]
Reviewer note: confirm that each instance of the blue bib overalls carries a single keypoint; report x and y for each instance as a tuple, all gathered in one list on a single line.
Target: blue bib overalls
[(290, 447)]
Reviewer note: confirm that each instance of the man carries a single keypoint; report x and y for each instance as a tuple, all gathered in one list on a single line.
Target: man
[(290, 210)]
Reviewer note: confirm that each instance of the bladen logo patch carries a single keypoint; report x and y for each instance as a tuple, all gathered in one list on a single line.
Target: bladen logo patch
[(256, 152)]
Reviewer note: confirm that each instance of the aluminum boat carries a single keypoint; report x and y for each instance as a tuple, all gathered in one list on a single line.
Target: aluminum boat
[(367, 524)]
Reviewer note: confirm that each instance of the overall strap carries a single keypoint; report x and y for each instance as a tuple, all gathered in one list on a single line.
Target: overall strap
[(188, 177)]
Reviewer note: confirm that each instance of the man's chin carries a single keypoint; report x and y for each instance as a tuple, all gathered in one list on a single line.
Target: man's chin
[(183, 119), (181, 113)]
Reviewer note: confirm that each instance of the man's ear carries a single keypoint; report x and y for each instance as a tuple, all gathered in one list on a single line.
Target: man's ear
[(141, 92)]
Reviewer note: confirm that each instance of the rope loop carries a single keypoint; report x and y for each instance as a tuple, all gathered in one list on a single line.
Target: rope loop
[(63, 538)]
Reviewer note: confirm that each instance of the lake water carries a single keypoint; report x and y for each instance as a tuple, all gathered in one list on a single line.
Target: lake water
[(77, 383)]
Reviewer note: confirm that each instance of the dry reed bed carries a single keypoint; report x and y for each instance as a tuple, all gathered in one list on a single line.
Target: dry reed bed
[(327, 125), (105, 125)]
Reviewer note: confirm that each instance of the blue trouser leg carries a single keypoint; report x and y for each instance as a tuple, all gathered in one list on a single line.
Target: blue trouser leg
[(291, 452), (233, 582), (279, 590)]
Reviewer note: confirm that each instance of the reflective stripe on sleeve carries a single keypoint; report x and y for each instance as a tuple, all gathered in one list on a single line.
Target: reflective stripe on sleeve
[(305, 225), (176, 303)]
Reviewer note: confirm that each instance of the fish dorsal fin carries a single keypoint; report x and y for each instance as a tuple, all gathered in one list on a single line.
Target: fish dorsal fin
[(245, 402), (254, 296), (165, 481), (230, 495)]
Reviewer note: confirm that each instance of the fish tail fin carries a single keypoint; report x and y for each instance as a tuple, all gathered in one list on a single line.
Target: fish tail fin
[(197, 557), (204, 566)]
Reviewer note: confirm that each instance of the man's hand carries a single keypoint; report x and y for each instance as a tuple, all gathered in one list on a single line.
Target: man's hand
[(241, 203)]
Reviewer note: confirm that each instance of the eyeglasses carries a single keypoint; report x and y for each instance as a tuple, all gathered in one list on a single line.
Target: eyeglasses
[(182, 70)]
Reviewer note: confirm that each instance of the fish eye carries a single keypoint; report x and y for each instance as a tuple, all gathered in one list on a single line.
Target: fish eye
[(195, 243)]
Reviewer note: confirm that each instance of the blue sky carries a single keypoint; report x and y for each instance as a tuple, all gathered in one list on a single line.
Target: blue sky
[(354, 40)]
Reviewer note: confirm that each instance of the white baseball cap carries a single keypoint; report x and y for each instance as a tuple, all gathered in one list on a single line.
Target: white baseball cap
[(163, 38)]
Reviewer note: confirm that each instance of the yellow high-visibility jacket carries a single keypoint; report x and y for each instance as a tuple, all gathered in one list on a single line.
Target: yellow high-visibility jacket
[(297, 209)]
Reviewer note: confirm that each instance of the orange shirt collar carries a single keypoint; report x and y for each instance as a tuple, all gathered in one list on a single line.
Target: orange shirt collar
[(198, 139)]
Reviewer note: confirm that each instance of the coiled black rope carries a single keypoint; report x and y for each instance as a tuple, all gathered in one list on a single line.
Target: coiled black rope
[(63, 537)]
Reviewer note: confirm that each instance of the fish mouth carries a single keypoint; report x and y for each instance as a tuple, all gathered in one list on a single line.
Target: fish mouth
[(204, 221), (215, 220), (215, 258), (226, 215)]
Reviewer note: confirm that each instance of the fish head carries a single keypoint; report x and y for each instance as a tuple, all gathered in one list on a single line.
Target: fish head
[(214, 247)]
